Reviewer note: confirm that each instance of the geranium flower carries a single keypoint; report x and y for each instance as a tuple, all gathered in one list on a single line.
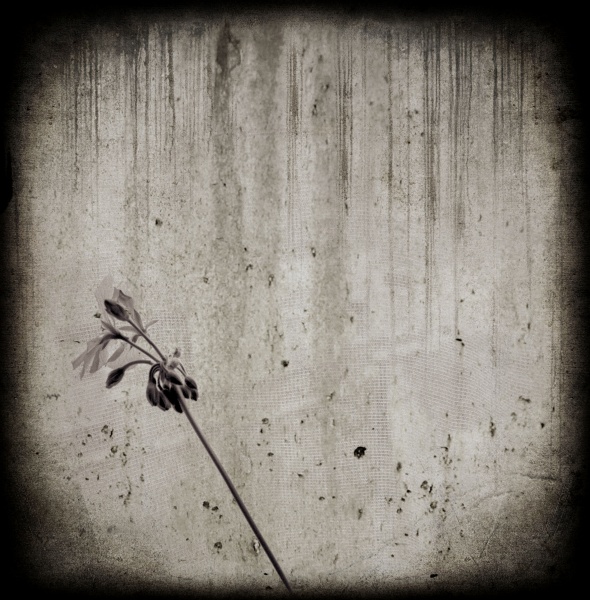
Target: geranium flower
[(118, 347)]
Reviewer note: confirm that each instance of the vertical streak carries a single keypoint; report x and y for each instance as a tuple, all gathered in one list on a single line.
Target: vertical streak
[(293, 126), (146, 35), (390, 211), (344, 122), (408, 171), (431, 117), (495, 146)]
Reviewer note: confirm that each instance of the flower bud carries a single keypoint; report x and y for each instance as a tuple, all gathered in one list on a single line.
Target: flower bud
[(164, 401), (173, 395), (171, 377), (152, 394), (116, 310), (192, 386), (115, 377)]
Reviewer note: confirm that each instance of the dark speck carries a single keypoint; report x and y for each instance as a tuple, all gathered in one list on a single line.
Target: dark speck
[(398, 468), (206, 504), (218, 545), (360, 451), (542, 425), (265, 421), (158, 222), (285, 363), (433, 575)]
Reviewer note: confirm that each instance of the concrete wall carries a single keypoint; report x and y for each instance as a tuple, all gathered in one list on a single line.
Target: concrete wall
[(360, 233)]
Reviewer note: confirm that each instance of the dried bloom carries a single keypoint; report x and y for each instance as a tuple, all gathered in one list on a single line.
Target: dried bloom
[(116, 310), (168, 384), (115, 377)]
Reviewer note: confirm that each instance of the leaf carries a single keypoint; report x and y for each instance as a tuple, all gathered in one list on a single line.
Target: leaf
[(90, 346), (129, 353), (95, 363), (152, 322), (137, 318), (110, 327), (115, 355)]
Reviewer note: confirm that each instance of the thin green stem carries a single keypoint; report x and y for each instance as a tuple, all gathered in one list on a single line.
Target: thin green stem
[(234, 492), (126, 339), (138, 362), (147, 338)]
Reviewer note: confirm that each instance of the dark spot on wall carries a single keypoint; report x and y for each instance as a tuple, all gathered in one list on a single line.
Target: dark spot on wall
[(492, 429), (433, 575), (206, 504), (285, 363), (158, 222), (523, 399), (360, 451), (542, 425), (265, 421), (398, 468), (218, 545)]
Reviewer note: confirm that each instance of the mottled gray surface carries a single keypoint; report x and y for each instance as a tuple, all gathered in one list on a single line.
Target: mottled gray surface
[(358, 233)]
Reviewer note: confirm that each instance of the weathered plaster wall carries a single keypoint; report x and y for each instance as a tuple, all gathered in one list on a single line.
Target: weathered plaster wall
[(354, 229)]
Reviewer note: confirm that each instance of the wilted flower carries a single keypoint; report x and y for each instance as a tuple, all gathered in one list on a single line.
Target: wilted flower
[(119, 347), (167, 380)]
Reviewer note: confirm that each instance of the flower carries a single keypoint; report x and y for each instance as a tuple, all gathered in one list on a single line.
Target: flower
[(168, 384), (117, 355), (117, 347)]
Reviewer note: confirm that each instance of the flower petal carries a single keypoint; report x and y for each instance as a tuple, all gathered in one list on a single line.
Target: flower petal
[(124, 300), (115, 355), (104, 291)]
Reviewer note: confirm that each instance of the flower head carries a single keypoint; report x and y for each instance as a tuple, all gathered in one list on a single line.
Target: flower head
[(118, 347)]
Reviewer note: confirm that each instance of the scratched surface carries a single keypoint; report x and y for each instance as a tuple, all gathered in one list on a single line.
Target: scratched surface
[(357, 231)]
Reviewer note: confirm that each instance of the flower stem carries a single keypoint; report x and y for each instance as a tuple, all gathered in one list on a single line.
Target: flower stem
[(233, 490), (145, 335), (126, 339)]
